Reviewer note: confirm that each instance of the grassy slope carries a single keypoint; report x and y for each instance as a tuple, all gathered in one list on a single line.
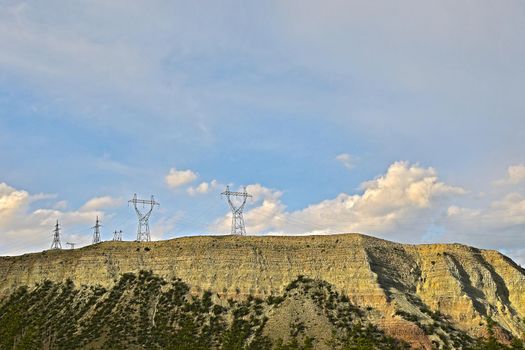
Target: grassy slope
[(145, 311)]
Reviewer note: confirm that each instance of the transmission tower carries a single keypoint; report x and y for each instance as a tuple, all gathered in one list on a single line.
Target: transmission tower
[(96, 232), (71, 245), (143, 226), (117, 235), (238, 227), (56, 238)]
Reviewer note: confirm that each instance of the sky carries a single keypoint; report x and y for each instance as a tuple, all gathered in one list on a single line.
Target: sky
[(403, 120)]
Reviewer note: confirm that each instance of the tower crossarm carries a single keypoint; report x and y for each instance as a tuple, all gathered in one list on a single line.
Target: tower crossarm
[(238, 194), (151, 202), (229, 194), (144, 201)]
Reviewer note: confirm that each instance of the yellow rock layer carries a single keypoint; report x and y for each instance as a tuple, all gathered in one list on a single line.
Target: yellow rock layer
[(462, 282)]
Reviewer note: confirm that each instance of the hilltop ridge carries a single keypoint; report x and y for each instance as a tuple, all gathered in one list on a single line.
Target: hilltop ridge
[(406, 284)]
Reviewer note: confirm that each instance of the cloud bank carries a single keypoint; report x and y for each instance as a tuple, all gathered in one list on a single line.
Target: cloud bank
[(177, 178), (404, 199), (25, 229), (407, 203)]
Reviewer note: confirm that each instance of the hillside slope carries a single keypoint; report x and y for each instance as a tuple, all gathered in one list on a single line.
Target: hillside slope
[(424, 294), (146, 311)]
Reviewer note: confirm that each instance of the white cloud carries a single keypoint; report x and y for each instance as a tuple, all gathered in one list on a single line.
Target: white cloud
[(12, 202), (499, 224), (177, 178), (401, 205), (203, 188), (394, 205), (515, 175), (101, 203), (346, 160), (23, 229), (55, 47), (267, 213), (60, 205), (163, 227)]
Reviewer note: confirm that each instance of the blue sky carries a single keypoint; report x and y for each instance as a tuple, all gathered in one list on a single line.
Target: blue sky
[(405, 120)]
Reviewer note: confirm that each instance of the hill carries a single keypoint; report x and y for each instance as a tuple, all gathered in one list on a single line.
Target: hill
[(291, 292)]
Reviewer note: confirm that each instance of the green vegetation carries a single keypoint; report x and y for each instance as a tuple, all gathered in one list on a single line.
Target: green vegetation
[(351, 330), (146, 311), (491, 343), (141, 311)]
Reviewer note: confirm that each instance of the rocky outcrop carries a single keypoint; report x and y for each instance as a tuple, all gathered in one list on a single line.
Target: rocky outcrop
[(414, 284)]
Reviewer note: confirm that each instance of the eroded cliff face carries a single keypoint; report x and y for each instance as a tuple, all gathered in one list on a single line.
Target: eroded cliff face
[(407, 284)]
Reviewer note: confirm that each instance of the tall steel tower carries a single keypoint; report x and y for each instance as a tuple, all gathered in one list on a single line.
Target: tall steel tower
[(143, 234), (117, 235), (96, 232), (238, 227), (56, 238)]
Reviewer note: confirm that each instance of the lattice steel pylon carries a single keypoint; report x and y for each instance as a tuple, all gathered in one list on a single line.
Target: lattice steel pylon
[(56, 238), (96, 232), (238, 227), (143, 234), (117, 236)]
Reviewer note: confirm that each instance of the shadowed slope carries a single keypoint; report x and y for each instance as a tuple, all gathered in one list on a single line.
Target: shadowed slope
[(406, 284)]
